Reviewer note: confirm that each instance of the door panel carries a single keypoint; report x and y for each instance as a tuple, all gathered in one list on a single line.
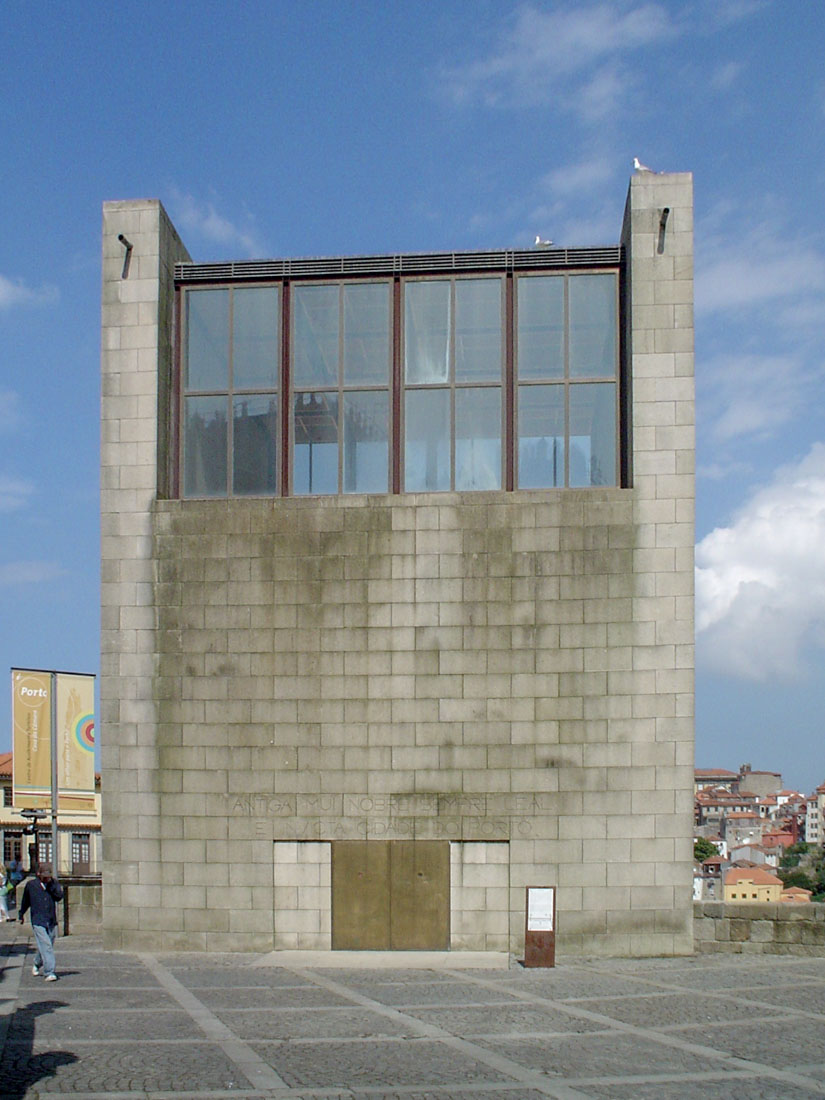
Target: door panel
[(419, 895), (360, 895), (390, 895)]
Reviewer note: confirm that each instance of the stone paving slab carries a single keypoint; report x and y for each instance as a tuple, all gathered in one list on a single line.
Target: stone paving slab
[(226, 998), (659, 1010), (743, 1088), (375, 1063), (214, 1027), (512, 1020), (319, 1023)]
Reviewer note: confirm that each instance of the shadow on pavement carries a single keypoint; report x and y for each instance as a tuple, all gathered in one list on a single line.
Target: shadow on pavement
[(22, 1068)]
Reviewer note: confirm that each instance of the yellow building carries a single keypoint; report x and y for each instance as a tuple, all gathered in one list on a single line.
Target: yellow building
[(78, 834), (752, 884)]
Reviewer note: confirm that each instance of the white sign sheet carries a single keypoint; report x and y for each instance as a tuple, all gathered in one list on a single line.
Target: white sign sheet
[(540, 905)]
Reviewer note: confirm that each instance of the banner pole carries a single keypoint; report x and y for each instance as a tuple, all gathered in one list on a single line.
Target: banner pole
[(53, 732)]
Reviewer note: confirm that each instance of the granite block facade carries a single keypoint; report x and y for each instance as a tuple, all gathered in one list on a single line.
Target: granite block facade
[(507, 672)]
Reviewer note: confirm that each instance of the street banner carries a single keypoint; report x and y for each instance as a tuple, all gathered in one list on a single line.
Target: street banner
[(32, 734), (75, 742), (31, 739)]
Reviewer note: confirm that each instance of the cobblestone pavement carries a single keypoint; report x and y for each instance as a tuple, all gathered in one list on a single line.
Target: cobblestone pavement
[(122, 1026)]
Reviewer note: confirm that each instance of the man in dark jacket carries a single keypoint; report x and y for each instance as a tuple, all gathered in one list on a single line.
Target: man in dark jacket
[(40, 895)]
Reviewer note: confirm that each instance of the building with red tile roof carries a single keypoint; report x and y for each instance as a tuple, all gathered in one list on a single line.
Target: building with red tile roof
[(78, 834)]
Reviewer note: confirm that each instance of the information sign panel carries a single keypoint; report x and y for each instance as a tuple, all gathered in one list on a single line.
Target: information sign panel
[(541, 905), (540, 926)]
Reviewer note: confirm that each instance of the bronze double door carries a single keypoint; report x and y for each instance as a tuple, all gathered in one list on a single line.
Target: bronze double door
[(390, 895)]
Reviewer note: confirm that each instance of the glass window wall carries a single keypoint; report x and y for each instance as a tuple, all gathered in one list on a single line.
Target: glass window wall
[(453, 371), (230, 399), (340, 357), (566, 374), (532, 359)]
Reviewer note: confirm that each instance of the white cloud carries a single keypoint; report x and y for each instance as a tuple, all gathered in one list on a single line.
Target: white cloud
[(586, 175), (760, 583), (9, 410), (572, 53), (203, 220), (29, 572), (752, 276), (754, 395), (16, 293), (748, 257), (722, 13), (14, 493), (726, 75), (721, 471)]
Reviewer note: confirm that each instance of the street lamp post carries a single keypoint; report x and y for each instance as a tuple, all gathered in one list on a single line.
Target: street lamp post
[(33, 817)]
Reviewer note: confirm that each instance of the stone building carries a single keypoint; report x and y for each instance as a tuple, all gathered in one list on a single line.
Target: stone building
[(398, 592)]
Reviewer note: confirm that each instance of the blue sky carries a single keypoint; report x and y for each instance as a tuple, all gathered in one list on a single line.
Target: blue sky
[(313, 128)]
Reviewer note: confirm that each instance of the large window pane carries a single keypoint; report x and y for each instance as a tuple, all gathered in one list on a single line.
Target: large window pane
[(478, 438), (477, 330), (207, 340), (366, 334), (541, 327), (315, 450), (315, 335), (427, 450), (427, 331), (365, 442), (255, 444), (593, 434), (540, 437), (592, 326), (204, 447), (255, 351)]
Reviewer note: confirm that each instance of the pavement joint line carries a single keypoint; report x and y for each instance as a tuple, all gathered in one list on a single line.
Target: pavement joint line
[(257, 1072), (759, 1068), (540, 1082)]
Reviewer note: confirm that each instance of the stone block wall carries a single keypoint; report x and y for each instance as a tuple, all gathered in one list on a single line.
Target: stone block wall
[(509, 672), (81, 910), (302, 895), (781, 928)]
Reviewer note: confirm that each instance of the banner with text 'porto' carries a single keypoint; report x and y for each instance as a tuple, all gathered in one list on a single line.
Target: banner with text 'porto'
[(31, 694)]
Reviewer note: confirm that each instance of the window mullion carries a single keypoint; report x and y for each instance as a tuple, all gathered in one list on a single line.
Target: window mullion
[(230, 399), (286, 390), (340, 390), (509, 386), (451, 378), (566, 381), (396, 435)]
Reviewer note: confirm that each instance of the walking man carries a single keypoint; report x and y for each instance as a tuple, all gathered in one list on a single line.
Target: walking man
[(40, 895)]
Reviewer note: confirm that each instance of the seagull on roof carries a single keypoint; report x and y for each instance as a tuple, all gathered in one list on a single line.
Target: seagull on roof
[(639, 167), (540, 242)]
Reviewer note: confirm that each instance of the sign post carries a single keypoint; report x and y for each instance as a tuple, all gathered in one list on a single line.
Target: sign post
[(540, 926)]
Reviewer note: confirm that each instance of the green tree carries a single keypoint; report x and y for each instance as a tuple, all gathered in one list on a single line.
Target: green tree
[(797, 878), (703, 849)]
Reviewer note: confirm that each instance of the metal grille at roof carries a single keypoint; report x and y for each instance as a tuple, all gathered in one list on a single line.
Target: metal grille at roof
[(423, 263)]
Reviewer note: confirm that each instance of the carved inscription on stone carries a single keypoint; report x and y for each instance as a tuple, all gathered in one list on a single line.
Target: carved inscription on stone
[(392, 816)]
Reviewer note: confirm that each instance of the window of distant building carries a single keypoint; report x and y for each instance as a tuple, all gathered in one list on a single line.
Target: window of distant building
[(411, 383)]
